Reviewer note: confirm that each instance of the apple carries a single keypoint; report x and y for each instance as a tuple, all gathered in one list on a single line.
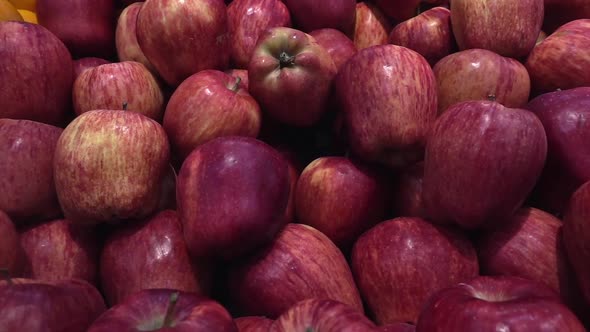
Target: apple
[(126, 43), (482, 161), (11, 253), (338, 45), (82, 64), (242, 74), (232, 193), (207, 105), (401, 10), (429, 34), (87, 26), (37, 74), (253, 323), (542, 36), (397, 327), (478, 74), (509, 28), (126, 85), (30, 305), (317, 314), (309, 15), (163, 309), (290, 75), (399, 263), (341, 197), (27, 190), (371, 27), (247, 20), (550, 64), (559, 12), (198, 38), (388, 116), (407, 192), (58, 250), (495, 304), (149, 254), (108, 166), (301, 263)]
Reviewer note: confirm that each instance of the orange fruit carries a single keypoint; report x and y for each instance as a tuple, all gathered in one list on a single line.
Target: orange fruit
[(8, 12), (28, 15), (24, 4)]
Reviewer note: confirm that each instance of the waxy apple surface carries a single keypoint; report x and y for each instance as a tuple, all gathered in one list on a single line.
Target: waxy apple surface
[(80, 65), (338, 45), (253, 323), (128, 48), (576, 234), (371, 26), (309, 15)]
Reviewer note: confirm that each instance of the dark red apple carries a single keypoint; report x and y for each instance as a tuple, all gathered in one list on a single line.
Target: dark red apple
[(309, 15), (126, 37), (397, 327), (559, 12), (253, 323), (401, 10), (83, 64), (11, 253), (371, 27), (338, 45), (407, 192)]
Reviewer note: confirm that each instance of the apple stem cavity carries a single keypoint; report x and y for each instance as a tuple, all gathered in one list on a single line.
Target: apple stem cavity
[(286, 60), (170, 310), (6, 275), (492, 97), (236, 85), (124, 106)]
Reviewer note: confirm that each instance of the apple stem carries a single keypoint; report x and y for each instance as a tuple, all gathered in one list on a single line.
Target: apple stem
[(124, 106), (170, 310), (236, 85), (6, 275), (286, 60)]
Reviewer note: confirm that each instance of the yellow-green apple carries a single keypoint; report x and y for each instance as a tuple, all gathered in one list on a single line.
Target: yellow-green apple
[(407, 192), (482, 161), (27, 190), (82, 64), (399, 263), (162, 309), (57, 250), (371, 26), (429, 34), (342, 198), (11, 253), (301, 263), (149, 254), (339, 46), (253, 323), (242, 74), (509, 28), (291, 75), (309, 15), (561, 61), (40, 87), (389, 99), (232, 193), (126, 37), (87, 27), (30, 305), (478, 74), (500, 303), (207, 105), (401, 10), (318, 314), (198, 38), (108, 166), (247, 20), (559, 12), (397, 327), (126, 85)]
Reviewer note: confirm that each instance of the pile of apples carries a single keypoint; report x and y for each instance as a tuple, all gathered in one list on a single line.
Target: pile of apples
[(295, 165)]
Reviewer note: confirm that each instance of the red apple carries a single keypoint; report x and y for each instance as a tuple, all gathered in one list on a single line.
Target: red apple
[(253, 323), (429, 34), (37, 74), (497, 304), (165, 310), (322, 315), (309, 15), (482, 160), (401, 10), (207, 105), (198, 38), (399, 263), (126, 85), (108, 166), (290, 75), (560, 61), (397, 327), (407, 192), (82, 64), (11, 253), (126, 37), (509, 28), (87, 26), (388, 96), (242, 74), (371, 26), (478, 74), (247, 20), (27, 190), (559, 12), (338, 45), (301, 263)]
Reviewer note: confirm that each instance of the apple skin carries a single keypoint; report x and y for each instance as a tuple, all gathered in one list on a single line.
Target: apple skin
[(126, 37), (298, 93), (242, 74), (559, 12), (371, 26), (39, 89), (429, 34), (551, 66), (342, 198), (478, 74), (144, 311), (247, 20), (388, 116), (407, 192), (309, 15), (108, 166), (482, 161), (66, 305), (199, 37), (402, 10), (11, 253), (82, 64), (397, 327), (301, 263), (253, 323), (149, 254), (27, 190), (493, 303), (87, 28), (509, 28), (339, 46), (316, 314), (207, 105), (58, 250), (232, 193), (127, 85), (399, 263)]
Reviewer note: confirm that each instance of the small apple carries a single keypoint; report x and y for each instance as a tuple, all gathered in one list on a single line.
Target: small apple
[(371, 26)]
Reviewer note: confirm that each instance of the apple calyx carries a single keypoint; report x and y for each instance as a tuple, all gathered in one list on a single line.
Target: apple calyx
[(170, 310), (6, 275), (286, 60), (236, 84)]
